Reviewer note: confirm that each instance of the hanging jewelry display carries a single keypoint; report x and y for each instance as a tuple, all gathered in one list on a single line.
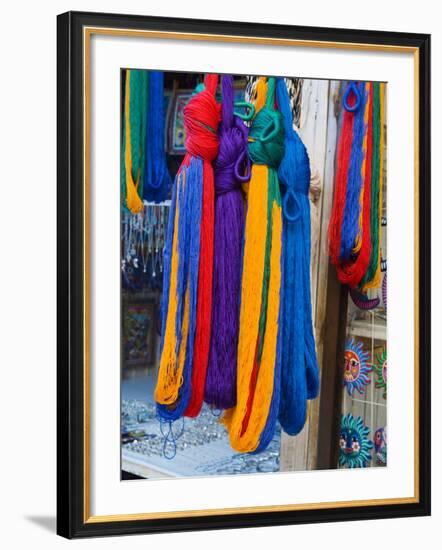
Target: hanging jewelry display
[(354, 445), (380, 446), (380, 369), (356, 367), (143, 238)]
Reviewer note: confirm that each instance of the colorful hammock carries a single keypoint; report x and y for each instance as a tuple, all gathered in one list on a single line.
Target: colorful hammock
[(229, 167), (299, 369), (354, 228), (157, 180), (133, 142), (258, 365), (188, 262)]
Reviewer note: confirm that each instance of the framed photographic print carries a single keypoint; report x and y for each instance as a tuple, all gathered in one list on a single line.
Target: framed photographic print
[(231, 198)]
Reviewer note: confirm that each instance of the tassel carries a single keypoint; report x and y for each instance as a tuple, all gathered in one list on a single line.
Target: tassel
[(220, 390), (258, 359), (300, 373), (157, 180), (133, 137), (188, 262)]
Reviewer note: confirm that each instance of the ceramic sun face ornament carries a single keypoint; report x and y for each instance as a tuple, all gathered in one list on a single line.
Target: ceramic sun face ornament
[(354, 445), (356, 368)]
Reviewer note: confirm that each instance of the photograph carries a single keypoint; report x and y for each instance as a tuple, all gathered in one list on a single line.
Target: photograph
[(221, 232)]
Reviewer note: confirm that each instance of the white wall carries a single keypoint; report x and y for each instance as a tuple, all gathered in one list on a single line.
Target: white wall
[(27, 233)]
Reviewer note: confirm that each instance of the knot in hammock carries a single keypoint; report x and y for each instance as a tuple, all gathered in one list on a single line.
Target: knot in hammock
[(201, 118), (266, 138), (294, 175), (231, 159)]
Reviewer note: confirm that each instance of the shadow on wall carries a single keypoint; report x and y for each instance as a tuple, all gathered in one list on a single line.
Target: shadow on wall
[(48, 523)]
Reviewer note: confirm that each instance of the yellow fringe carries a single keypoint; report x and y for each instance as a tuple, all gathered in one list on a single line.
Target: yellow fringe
[(251, 291), (358, 243), (376, 281), (249, 321), (133, 201), (169, 376)]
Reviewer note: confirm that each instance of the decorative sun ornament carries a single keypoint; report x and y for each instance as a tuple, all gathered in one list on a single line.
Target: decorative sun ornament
[(354, 445), (380, 446), (356, 367), (380, 369)]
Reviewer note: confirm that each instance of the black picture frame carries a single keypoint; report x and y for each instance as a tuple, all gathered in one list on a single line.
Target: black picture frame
[(71, 519)]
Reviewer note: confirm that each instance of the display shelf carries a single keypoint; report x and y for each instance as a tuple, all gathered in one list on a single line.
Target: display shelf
[(361, 329), (140, 468)]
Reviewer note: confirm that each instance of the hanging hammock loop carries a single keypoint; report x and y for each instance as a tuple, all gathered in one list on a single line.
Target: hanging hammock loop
[(291, 213), (266, 147), (351, 89), (243, 158), (245, 105)]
